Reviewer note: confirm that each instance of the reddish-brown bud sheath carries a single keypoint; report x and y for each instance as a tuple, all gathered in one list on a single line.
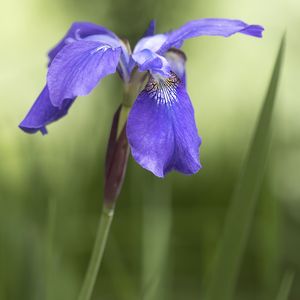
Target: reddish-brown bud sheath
[(116, 162)]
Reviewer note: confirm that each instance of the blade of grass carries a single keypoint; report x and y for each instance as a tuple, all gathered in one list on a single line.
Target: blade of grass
[(267, 230), (285, 286), (241, 211)]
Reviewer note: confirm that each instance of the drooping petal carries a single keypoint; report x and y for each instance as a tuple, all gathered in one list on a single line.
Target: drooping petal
[(176, 59), (148, 60), (78, 68), (161, 128), (80, 30), (151, 29), (43, 113), (219, 27)]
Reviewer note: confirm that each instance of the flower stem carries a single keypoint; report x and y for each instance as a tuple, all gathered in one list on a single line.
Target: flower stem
[(97, 255)]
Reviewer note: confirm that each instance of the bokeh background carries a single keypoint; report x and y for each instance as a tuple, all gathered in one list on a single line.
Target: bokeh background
[(165, 232)]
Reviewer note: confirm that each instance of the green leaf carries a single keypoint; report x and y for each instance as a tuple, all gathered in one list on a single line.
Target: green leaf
[(241, 211), (285, 286)]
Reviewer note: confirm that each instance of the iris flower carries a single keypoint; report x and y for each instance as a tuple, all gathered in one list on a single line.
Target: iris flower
[(161, 128)]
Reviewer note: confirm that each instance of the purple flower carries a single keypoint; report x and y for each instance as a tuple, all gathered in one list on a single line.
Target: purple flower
[(161, 128)]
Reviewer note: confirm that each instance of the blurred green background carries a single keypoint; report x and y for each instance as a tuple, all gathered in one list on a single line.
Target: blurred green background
[(165, 232)]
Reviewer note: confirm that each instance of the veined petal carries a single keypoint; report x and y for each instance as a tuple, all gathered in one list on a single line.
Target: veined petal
[(43, 112), (161, 128), (124, 66), (148, 60), (78, 68), (220, 27), (78, 31)]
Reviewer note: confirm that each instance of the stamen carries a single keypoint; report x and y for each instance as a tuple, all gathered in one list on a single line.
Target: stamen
[(163, 90)]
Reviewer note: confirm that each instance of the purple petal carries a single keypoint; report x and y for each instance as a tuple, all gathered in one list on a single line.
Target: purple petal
[(148, 60), (220, 27), (78, 68), (161, 128), (123, 67), (80, 30), (43, 112), (151, 29)]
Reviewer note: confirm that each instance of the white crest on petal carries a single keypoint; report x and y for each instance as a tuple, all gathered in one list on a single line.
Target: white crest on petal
[(101, 48), (152, 43), (163, 90)]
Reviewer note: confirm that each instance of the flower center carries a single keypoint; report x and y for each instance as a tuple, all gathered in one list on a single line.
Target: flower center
[(163, 90)]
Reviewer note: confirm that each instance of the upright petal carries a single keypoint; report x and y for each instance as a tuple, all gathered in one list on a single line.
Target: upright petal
[(77, 31), (220, 27), (152, 43), (151, 29), (43, 112), (149, 60), (161, 128), (78, 68)]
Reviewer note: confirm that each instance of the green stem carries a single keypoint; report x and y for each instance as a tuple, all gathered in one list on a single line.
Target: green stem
[(97, 255)]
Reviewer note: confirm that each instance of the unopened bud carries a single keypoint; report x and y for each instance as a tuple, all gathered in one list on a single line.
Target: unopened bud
[(118, 149), (116, 161)]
